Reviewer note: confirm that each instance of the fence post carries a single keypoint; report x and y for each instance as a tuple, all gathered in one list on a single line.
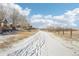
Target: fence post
[(71, 32), (63, 31)]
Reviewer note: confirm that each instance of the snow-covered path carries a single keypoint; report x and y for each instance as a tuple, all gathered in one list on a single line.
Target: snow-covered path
[(54, 46), (42, 43)]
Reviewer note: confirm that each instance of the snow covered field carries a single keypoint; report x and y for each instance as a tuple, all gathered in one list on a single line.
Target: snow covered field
[(41, 44)]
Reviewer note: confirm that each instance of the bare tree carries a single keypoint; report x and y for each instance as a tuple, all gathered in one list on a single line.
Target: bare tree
[(13, 15), (2, 13)]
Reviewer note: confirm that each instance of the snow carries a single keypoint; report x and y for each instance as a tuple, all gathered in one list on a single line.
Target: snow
[(55, 48), (2, 37), (5, 37), (41, 44)]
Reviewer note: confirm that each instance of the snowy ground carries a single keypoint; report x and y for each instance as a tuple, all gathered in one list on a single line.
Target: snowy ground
[(2, 37), (42, 43)]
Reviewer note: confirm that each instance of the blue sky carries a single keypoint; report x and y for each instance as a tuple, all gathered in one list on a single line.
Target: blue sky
[(49, 8), (55, 9)]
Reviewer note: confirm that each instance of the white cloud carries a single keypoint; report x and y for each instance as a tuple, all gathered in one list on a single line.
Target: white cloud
[(72, 14), (36, 16), (48, 20), (25, 12), (41, 20), (48, 17), (67, 19), (61, 17)]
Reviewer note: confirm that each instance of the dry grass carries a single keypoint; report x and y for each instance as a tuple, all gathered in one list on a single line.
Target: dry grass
[(67, 36), (18, 36)]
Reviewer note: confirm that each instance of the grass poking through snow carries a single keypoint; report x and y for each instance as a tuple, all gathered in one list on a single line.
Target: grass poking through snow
[(18, 36)]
